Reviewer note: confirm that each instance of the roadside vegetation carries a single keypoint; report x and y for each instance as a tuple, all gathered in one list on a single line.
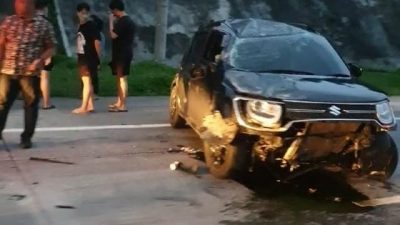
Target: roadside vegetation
[(388, 82), (146, 79), (153, 79)]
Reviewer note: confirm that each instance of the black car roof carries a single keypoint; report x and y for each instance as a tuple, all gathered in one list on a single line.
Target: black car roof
[(248, 28)]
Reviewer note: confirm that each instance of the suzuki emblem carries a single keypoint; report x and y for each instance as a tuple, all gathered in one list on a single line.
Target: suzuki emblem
[(334, 110)]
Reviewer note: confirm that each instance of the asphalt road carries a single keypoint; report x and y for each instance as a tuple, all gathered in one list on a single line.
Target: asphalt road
[(105, 174)]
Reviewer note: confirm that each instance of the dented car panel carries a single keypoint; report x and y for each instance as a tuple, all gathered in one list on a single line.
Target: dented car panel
[(269, 92)]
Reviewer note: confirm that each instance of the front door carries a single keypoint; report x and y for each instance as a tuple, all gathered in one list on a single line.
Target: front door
[(200, 88)]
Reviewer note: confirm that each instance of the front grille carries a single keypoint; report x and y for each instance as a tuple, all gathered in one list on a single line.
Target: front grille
[(309, 110)]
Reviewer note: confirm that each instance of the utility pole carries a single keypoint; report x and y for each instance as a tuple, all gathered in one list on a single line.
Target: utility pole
[(161, 30), (62, 29)]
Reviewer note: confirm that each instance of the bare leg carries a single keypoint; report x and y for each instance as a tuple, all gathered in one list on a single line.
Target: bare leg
[(86, 96), (117, 104), (90, 107), (45, 88), (123, 82)]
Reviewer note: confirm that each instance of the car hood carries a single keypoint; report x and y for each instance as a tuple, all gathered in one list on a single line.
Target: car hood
[(301, 87)]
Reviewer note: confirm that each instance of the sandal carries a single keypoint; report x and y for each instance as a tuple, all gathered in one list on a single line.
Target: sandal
[(112, 106), (117, 110), (79, 111), (49, 107)]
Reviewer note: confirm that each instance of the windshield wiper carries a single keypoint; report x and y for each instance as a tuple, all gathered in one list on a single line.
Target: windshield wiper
[(338, 75), (287, 72)]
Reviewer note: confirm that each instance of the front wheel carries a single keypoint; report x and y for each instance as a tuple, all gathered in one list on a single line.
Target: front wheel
[(381, 158), (227, 161)]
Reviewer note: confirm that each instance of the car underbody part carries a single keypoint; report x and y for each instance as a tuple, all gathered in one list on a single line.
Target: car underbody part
[(291, 154)]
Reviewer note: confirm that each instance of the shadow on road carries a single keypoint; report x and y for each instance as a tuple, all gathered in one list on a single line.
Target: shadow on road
[(319, 190)]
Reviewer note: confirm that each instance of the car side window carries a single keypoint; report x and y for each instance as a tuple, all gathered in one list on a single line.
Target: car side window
[(197, 49), (214, 46)]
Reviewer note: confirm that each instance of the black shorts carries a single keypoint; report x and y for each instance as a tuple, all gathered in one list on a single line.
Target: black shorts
[(86, 68), (121, 65)]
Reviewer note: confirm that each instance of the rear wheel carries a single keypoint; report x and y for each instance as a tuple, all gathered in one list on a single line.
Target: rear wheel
[(381, 158), (175, 119), (227, 161)]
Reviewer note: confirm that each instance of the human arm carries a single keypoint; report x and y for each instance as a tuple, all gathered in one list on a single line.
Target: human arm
[(112, 26), (2, 46), (3, 27), (49, 45), (97, 45)]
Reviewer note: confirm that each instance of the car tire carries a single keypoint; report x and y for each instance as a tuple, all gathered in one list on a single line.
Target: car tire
[(175, 119), (232, 160), (381, 158)]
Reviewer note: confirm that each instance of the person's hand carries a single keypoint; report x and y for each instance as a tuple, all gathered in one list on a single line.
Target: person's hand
[(111, 18), (35, 65)]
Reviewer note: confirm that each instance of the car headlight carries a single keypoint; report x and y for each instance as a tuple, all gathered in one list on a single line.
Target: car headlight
[(385, 113), (264, 113)]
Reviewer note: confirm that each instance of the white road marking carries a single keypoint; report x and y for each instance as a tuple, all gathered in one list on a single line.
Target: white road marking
[(379, 201), (91, 128)]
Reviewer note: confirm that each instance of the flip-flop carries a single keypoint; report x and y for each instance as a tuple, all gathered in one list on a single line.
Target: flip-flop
[(49, 107), (112, 106), (116, 110), (77, 112)]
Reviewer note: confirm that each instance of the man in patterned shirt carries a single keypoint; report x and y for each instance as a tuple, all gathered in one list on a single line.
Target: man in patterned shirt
[(26, 41)]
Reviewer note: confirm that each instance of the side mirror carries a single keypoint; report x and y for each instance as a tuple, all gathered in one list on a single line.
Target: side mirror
[(355, 70)]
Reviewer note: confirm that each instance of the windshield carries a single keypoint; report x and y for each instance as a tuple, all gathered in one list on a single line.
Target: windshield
[(303, 53)]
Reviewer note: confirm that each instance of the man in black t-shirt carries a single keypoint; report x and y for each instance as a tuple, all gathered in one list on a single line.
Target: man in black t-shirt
[(88, 50), (122, 31)]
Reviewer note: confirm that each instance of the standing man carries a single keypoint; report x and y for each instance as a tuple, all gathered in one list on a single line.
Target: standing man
[(122, 31), (89, 51), (26, 41), (42, 10)]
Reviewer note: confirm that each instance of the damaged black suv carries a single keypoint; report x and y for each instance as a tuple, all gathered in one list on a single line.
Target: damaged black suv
[(264, 91)]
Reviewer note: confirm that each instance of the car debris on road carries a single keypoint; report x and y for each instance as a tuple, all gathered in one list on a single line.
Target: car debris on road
[(65, 207), (17, 197), (50, 161), (180, 166), (192, 152)]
